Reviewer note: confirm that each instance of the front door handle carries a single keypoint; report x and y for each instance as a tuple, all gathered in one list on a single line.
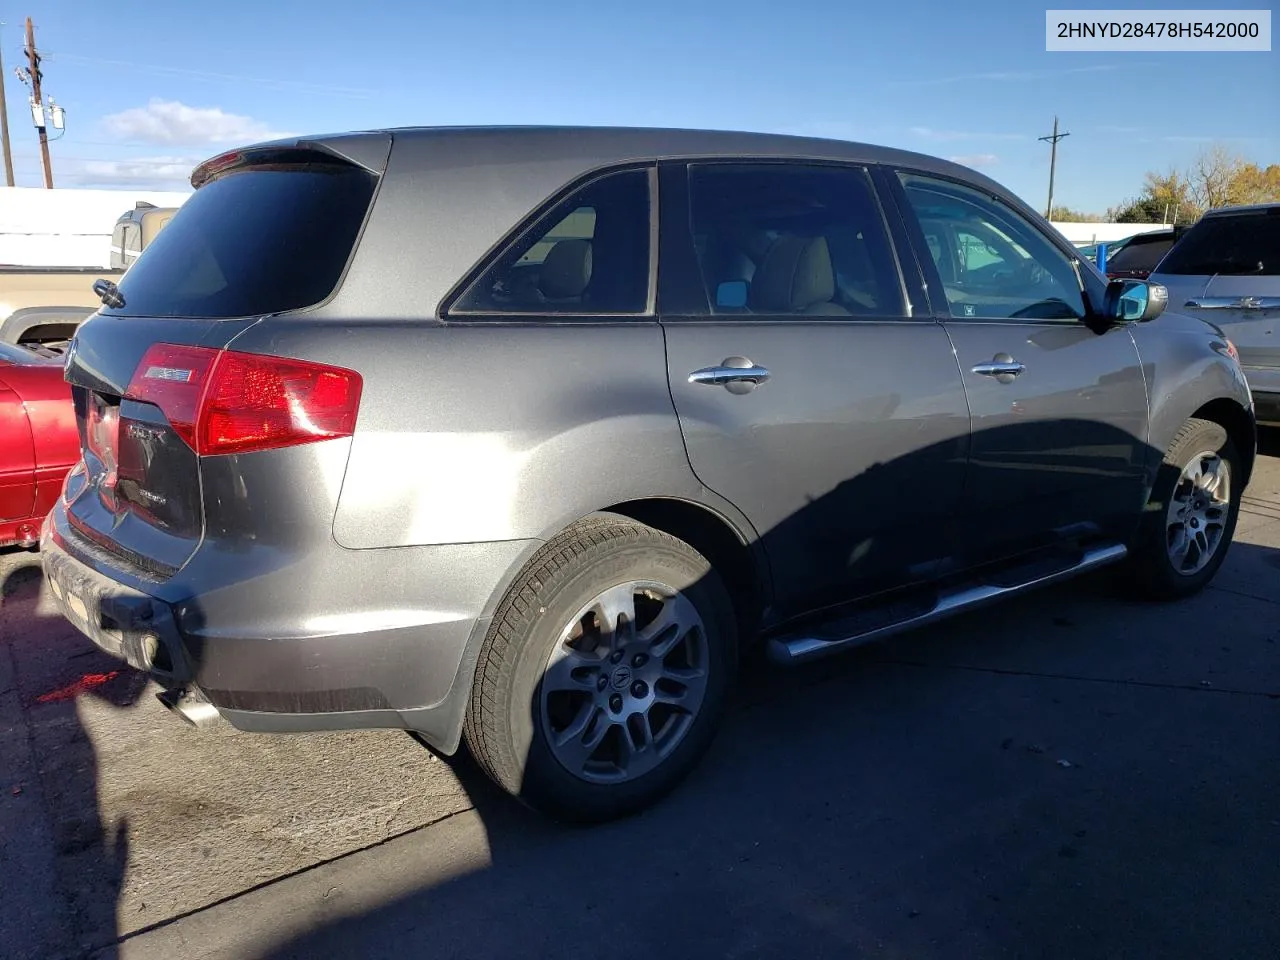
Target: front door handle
[(737, 374), (1003, 367)]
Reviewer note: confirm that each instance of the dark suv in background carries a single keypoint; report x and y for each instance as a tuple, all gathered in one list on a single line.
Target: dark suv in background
[(1140, 254), (519, 437)]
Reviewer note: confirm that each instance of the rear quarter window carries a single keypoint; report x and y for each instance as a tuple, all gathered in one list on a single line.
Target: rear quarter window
[(253, 241)]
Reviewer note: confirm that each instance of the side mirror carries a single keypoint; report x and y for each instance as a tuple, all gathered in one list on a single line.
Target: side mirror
[(1135, 301), (732, 294)]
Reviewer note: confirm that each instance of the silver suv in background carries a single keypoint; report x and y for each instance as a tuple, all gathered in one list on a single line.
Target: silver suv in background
[(520, 437), (1226, 269)]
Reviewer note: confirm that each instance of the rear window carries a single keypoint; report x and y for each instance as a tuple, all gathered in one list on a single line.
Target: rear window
[(1238, 245), (1140, 254), (253, 241)]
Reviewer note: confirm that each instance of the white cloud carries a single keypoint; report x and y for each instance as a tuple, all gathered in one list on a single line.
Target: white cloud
[(929, 133), (171, 122), (976, 159), (167, 173)]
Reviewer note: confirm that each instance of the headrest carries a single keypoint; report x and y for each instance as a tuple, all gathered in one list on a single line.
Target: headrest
[(795, 274), (566, 271)]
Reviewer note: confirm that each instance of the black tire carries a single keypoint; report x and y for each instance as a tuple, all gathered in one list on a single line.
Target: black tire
[(1152, 570), (504, 726)]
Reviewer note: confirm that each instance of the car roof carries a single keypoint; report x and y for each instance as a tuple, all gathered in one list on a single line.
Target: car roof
[(602, 145), (1243, 208)]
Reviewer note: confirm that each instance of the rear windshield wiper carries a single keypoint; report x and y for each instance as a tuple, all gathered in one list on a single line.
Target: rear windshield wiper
[(108, 293)]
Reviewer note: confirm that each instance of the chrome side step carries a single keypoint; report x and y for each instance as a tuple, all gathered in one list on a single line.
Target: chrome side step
[(797, 649)]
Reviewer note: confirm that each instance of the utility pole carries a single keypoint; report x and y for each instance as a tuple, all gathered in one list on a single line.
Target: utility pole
[(4, 121), (37, 101), (1052, 164)]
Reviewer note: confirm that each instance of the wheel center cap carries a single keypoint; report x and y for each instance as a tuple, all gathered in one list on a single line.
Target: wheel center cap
[(620, 679)]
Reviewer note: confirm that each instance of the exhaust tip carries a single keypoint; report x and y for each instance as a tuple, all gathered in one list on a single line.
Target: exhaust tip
[(191, 707)]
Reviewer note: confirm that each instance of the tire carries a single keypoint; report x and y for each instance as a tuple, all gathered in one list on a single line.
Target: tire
[(1152, 566), (522, 702)]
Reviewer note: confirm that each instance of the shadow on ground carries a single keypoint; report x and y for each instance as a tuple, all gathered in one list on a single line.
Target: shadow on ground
[(90, 856), (917, 798), (908, 800)]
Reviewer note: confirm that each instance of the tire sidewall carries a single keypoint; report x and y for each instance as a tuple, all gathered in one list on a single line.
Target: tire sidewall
[(1158, 568), (545, 783)]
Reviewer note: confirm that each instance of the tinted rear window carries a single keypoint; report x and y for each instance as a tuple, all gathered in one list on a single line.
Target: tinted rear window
[(1243, 245), (254, 241), (1140, 254)]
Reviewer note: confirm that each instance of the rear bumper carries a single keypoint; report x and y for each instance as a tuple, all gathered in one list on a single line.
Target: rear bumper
[(295, 664)]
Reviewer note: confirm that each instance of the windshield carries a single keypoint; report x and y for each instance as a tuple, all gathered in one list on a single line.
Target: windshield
[(254, 241), (1234, 245)]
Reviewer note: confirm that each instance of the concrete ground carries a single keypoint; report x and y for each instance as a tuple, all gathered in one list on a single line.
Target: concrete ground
[(1070, 775)]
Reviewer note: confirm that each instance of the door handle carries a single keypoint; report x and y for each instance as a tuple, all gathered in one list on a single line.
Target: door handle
[(1002, 366), (732, 372)]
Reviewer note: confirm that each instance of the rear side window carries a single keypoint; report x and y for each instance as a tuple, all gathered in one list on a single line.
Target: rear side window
[(1140, 254), (253, 241), (786, 238), (1234, 245), (589, 255)]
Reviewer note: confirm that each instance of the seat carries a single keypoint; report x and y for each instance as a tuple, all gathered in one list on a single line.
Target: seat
[(796, 276), (566, 270)]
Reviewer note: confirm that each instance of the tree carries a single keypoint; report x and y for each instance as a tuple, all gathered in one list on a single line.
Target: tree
[(1254, 184), (1216, 178), (1212, 175), (1067, 215), (1164, 197)]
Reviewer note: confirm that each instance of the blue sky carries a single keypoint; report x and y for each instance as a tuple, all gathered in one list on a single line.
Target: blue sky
[(151, 88)]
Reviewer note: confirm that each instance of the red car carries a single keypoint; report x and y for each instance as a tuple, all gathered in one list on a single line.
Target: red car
[(39, 441)]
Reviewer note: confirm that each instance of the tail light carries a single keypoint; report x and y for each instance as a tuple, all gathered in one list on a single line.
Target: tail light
[(224, 401)]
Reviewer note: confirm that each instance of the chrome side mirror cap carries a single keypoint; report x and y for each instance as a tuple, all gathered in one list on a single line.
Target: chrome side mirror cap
[(1135, 301)]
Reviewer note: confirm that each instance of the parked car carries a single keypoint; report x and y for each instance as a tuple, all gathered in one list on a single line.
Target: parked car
[(520, 437), (39, 442), (1137, 257), (44, 305), (1226, 269)]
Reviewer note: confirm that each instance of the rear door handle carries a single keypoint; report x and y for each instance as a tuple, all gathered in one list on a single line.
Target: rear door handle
[(731, 370)]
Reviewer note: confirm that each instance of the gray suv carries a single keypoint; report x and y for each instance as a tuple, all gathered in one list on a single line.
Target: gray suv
[(1227, 270), (522, 437)]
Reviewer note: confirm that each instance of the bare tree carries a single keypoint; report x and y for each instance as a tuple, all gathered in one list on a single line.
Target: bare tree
[(1212, 176)]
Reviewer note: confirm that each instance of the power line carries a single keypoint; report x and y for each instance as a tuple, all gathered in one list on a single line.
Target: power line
[(4, 124), (1053, 162), (35, 75)]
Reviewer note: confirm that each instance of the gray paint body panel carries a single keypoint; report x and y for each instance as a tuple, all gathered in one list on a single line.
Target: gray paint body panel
[(350, 582)]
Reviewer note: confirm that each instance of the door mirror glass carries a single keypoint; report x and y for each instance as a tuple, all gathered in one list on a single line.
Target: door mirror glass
[(1135, 301)]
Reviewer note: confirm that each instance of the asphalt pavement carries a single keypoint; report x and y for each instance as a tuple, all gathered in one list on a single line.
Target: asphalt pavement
[(1070, 775)]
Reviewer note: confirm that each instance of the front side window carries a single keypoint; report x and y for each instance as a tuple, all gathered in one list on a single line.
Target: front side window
[(589, 255), (794, 239), (994, 265)]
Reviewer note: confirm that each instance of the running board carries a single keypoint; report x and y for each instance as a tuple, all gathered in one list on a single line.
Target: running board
[(797, 649)]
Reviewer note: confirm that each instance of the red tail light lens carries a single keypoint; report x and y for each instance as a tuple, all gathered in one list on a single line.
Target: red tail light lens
[(173, 378), (224, 401)]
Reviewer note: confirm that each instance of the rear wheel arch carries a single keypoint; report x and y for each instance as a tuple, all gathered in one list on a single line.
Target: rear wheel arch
[(734, 555)]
